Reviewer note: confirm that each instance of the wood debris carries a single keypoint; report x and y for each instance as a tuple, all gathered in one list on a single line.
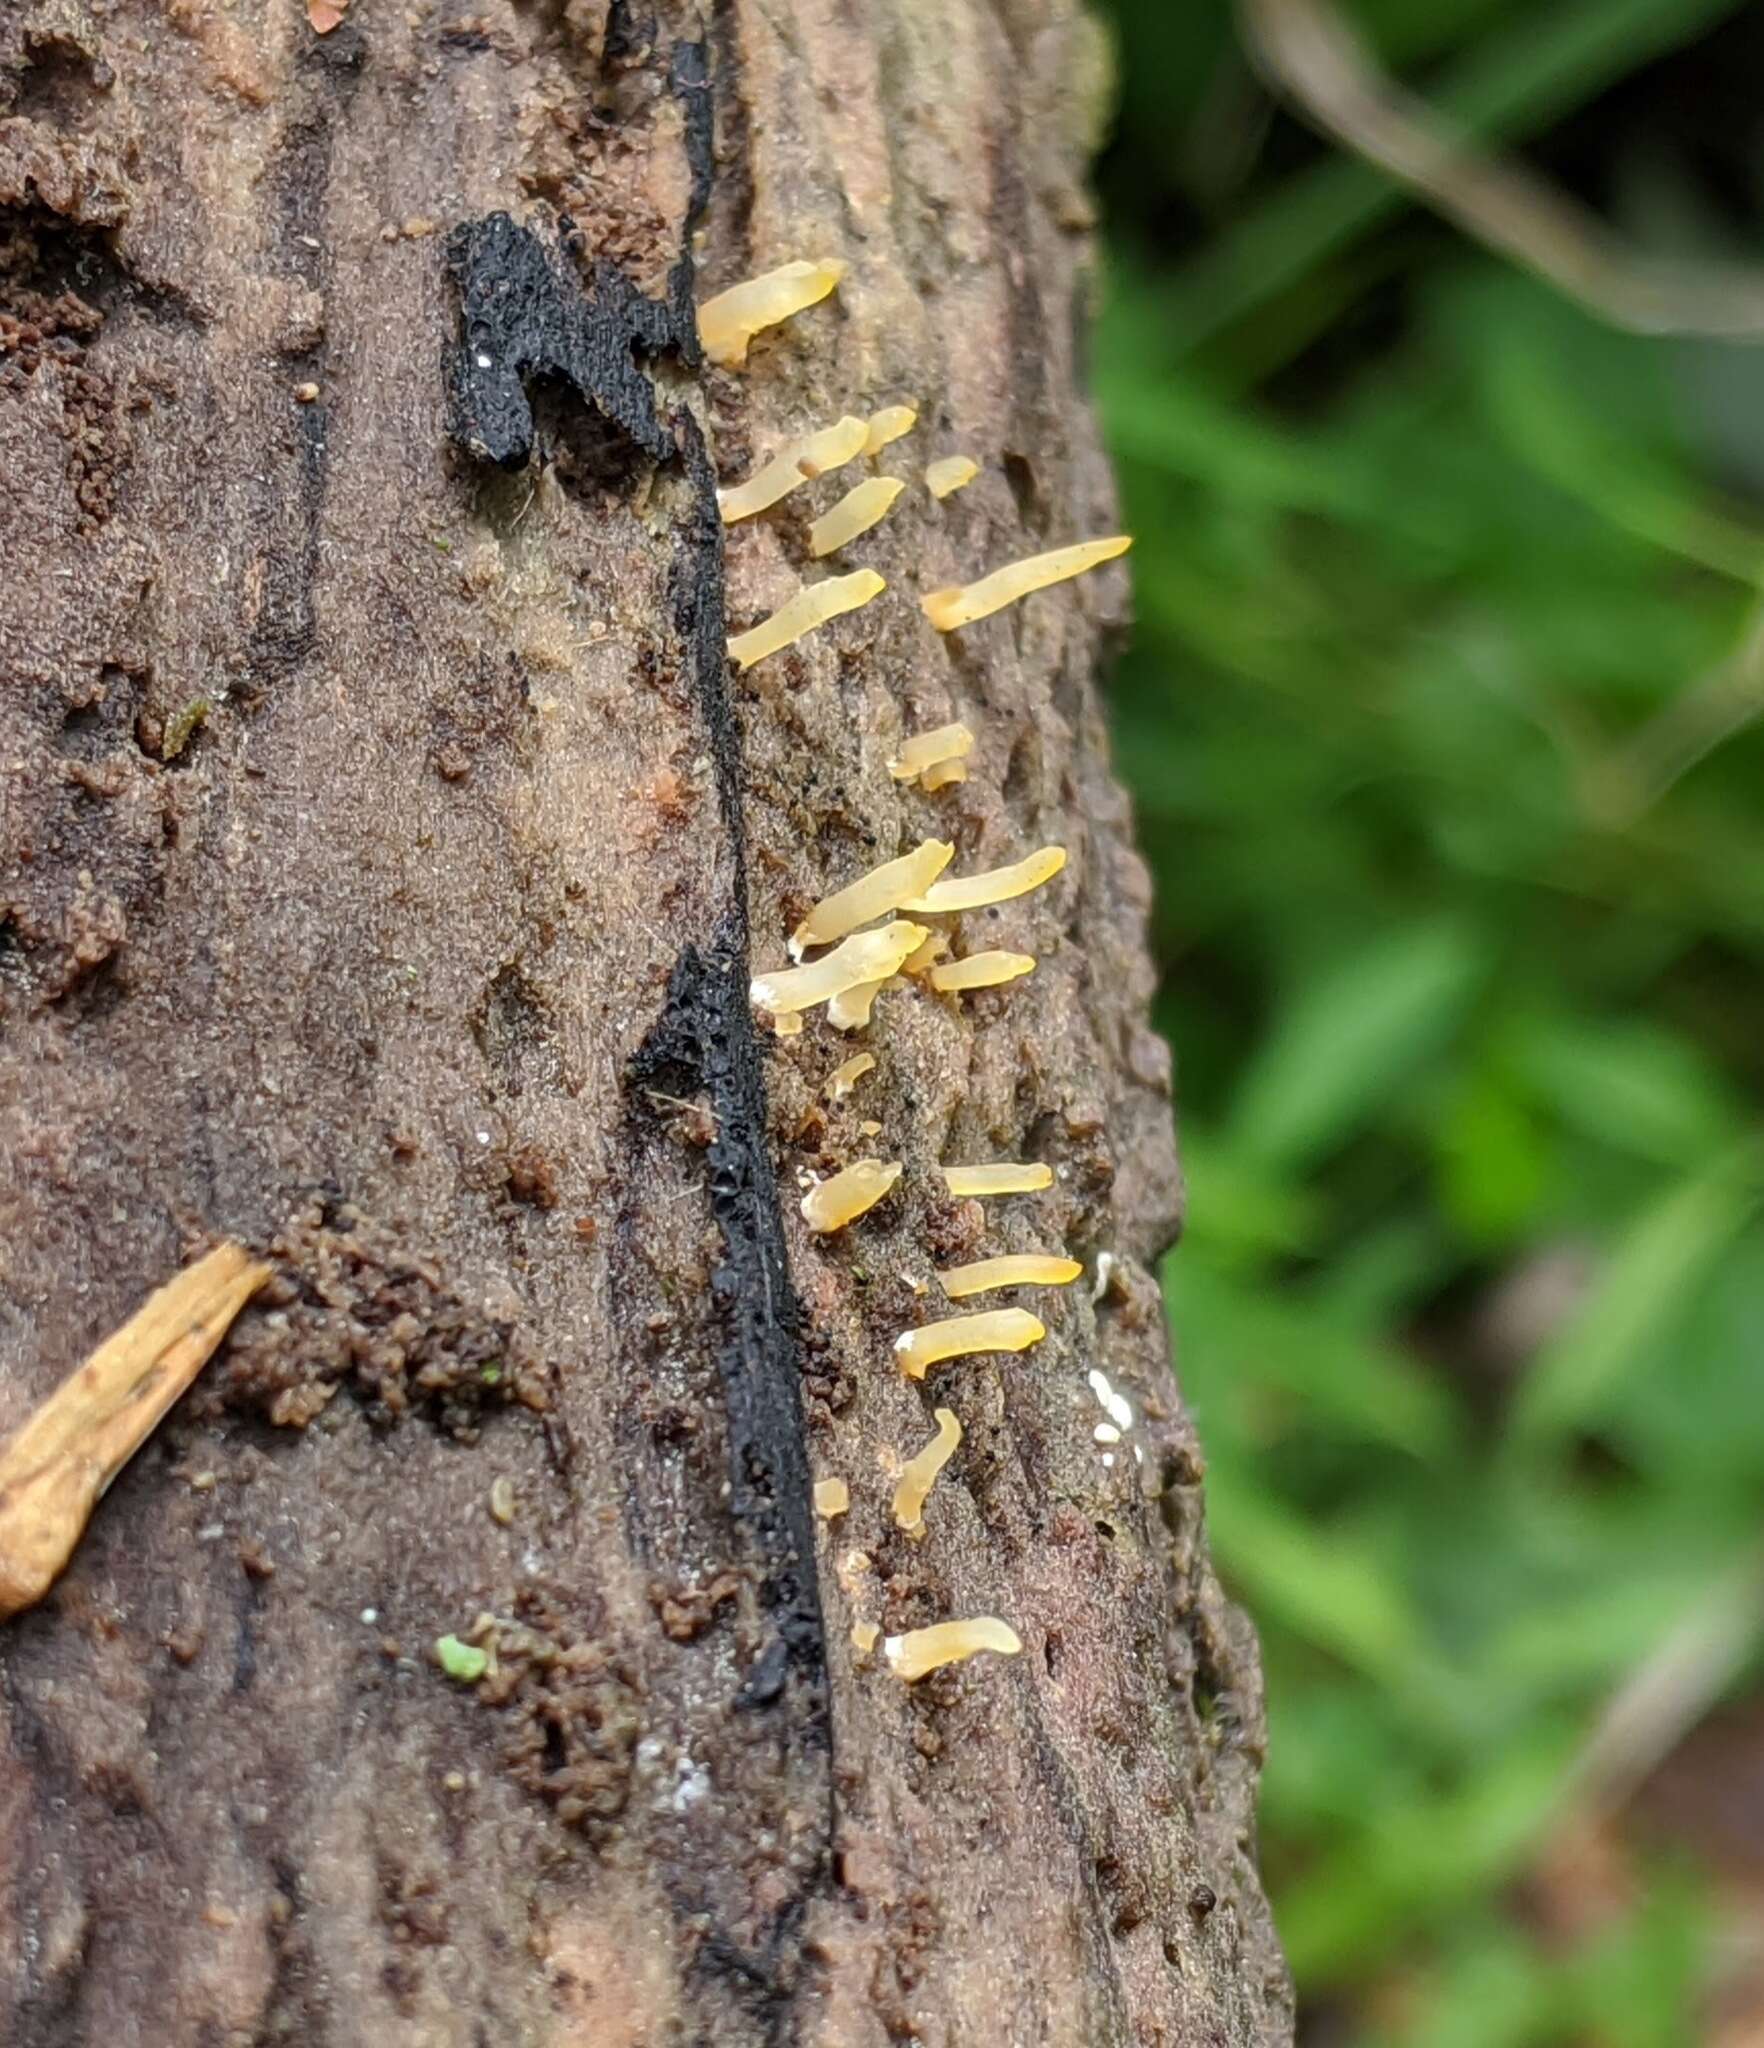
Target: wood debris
[(57, 1465)]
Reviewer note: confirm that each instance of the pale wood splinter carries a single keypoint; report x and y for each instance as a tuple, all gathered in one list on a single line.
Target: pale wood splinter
[(59, 1463)]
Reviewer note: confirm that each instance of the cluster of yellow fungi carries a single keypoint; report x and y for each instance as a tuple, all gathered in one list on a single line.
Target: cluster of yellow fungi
[(868, 935), (726, 325)]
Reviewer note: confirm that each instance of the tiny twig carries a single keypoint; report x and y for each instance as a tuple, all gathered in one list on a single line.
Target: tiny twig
[(57, 1465)]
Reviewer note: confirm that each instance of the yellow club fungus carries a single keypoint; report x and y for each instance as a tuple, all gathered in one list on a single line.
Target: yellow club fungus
[(872, 895), (850, 1009), (870, 1128), (921, 1473), (845, 1077), (1016, 1269), (813, 605), (860, 509), (927, 749), (927, 956), (980, 970), (996, 885), (950, 474), (998, 1329), (1000, 1177), (863, 1636), (728, 322), (864, 957), (795, 463), (924, 1650), (832, 1204), (963, 603), (832, 1497), (888, 425), (943, 776)]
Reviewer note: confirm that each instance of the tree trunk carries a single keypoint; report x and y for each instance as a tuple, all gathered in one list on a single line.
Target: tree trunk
[(382, 832)]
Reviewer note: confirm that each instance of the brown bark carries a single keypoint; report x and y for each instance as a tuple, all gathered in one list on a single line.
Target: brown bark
[(377, 858)]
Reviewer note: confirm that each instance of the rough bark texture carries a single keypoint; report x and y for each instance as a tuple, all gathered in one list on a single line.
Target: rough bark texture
[(381, 836)]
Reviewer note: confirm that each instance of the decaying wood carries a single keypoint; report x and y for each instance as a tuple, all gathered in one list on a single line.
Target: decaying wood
[(56, 1466), (386, 847)]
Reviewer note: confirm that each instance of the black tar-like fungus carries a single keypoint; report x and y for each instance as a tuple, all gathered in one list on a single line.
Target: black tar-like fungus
[(522, 318)]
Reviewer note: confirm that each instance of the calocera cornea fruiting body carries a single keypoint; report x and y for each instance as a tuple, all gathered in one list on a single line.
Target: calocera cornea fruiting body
[(845, 1077), (998, 1329), (1013, 1269), (996, 885), (864, 957), (862, 507), (998, 1177), (813, 605), (798, 462), (950, 473), (841, 1199), (980, 970), (925, 750), (832, 1498), (888, 425), (728, 322), (921, 1651), (862, 937), (851, 1008), (962, 604), (927, 956), (872, 895), (920, 1473)]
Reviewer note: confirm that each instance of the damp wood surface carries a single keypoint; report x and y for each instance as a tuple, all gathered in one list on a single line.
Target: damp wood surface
[(385, 851)]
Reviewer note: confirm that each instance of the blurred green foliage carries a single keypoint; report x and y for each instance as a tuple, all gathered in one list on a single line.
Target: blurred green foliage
[(1442, 722)]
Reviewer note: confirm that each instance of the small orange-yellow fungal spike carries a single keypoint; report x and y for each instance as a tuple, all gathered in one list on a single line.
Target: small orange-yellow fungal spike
[(728, 322), (943, 776), (832, 1497), (832, 1204), (949, 474), (813, 605), (997, 885), (888, 425), (810, 455), (850, 1009), (963, 603), (865, 956), (871, 896), (927, 956), (1000, 1177), (845, 1077), (921, 1473), (980, 970), (860, 509), (863, 1637), (998, 1329), (1017, 1269), (924, 1650), (926, 749)]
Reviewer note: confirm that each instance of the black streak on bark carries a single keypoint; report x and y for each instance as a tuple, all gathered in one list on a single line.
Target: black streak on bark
[(286, 630), (523, 319), (690, 80)]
